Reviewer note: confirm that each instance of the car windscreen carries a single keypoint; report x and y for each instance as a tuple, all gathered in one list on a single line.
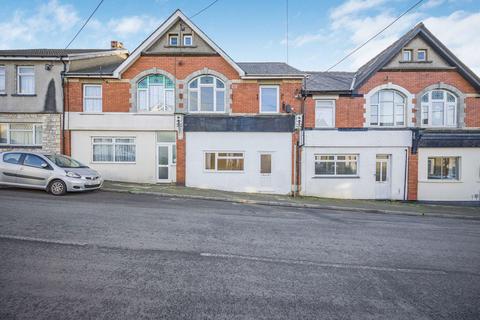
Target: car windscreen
[(65, 162)]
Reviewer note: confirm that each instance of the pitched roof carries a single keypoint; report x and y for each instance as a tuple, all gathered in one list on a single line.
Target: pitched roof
[(103, 69), (380, 60), (162, 29), (335, 81), (269, 69), (46, 53)]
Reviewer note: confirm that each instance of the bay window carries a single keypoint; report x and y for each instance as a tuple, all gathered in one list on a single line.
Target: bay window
[(439, 109), (21, 134), (443, 168), (92, 98), (387, 108), (206, 94), (336, 165), (25, 80), (113, 149), (224, 161), (269, 99), (155, 93), (324, 113)]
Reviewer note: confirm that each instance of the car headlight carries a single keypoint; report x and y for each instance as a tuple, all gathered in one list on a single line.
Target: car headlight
[(73, 174)]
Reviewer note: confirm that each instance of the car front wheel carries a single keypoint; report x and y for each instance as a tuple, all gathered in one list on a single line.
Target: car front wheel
[(57, 188)]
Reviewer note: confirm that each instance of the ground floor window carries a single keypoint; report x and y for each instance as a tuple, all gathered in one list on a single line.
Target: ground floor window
[(336, 165), (224, 161), (22, 134), (443, 168), (110, 149)]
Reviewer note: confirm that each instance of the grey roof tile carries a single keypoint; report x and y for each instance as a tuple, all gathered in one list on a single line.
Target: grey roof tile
[(46, 52), (329, 81), (269, 68)]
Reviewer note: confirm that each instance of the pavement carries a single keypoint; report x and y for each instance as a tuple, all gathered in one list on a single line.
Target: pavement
[(470, 211), (111, 255)]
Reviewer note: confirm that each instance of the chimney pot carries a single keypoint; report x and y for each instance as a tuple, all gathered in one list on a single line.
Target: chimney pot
[(114, 44)]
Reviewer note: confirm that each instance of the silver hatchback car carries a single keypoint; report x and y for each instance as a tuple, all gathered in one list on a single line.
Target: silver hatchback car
[(55, 173)]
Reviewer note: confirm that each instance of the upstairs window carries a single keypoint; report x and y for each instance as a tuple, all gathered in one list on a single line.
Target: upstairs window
[(422, 55), (155, 93), (173, 40), (439, 109), (2, 79), (206, 94), (92, 98), (25, 80), (387, 109), (187, 40), (324, 113), (407, 55), (269, 99)]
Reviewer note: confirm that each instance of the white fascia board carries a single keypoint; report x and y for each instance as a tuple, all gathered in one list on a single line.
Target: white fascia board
[(160, 31), (31, 58), (100, 76), (272, 77)]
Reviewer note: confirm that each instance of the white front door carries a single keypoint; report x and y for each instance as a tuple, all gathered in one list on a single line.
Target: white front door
[(383, 184), (166, 162), (266, 169)]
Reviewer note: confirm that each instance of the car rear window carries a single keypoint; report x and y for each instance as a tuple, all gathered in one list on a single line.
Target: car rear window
[(13, 158)]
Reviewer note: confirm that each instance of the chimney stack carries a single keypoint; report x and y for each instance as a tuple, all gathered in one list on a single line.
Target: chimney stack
[(114, 44)]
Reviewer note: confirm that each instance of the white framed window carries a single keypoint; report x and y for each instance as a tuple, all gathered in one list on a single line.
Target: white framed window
[(173, 40), (324, 113), (114, 149), (25, 80), (439, 109), (443, 168), (187, 40), (407, 55), (224, 161), (206, 94), (269, 99), (21, 134), (92, 98), (336, 165), (2, 79), (156, 93), (422, 55), (387, 108)]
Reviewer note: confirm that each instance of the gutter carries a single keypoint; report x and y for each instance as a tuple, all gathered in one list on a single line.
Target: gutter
[(62, 74)]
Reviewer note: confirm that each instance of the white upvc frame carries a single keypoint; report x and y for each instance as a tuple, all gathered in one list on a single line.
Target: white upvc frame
[(113, 144), (33, 131), (458, 168), (173, 36), (446, 104), (185, 37), (3, 81), (276, 87), (199, 94), (25, 74), (425, 54), (333, 112), (242, 157), (335, 161), (93, 97), (147, 90), (410, 55)]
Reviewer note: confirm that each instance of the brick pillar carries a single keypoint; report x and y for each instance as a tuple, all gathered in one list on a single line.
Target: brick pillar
[(66, 144), (412, 176), (181, 156)]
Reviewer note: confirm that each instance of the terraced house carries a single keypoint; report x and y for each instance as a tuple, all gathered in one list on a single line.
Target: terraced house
[(178, 109)]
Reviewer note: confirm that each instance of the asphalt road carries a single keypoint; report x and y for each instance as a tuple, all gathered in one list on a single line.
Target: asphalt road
[(120, 256)]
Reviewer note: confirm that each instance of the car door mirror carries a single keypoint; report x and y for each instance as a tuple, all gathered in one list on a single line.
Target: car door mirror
[(44, 165)]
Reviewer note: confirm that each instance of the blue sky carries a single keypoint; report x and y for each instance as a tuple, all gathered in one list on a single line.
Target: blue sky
[(320, 32)]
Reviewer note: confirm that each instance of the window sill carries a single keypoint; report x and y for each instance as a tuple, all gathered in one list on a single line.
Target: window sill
[(23, 95), (226, 171), (440, 181), (416, 61), (152, 113), (90, 113), (336, 177), (179, 46), (17, 146)]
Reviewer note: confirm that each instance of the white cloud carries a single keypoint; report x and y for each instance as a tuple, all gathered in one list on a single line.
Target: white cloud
[(432, 4), (304, 39), (353, 7), (127, 26)]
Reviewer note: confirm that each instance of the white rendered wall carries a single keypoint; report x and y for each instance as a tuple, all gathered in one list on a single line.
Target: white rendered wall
[(464, 189), (365, 144), (119, 121), (251, 143), (143, 170)]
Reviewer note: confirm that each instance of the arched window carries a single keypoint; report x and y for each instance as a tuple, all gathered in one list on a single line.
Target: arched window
[(155, 93), (206, 94), (439, 109), (387, 108)]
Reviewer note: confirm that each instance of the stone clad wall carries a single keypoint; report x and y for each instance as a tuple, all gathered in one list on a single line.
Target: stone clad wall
[(52, 129)]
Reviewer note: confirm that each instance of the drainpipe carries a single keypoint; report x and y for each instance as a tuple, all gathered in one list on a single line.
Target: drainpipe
[(405, 189), (62, 74), (301, 141)]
